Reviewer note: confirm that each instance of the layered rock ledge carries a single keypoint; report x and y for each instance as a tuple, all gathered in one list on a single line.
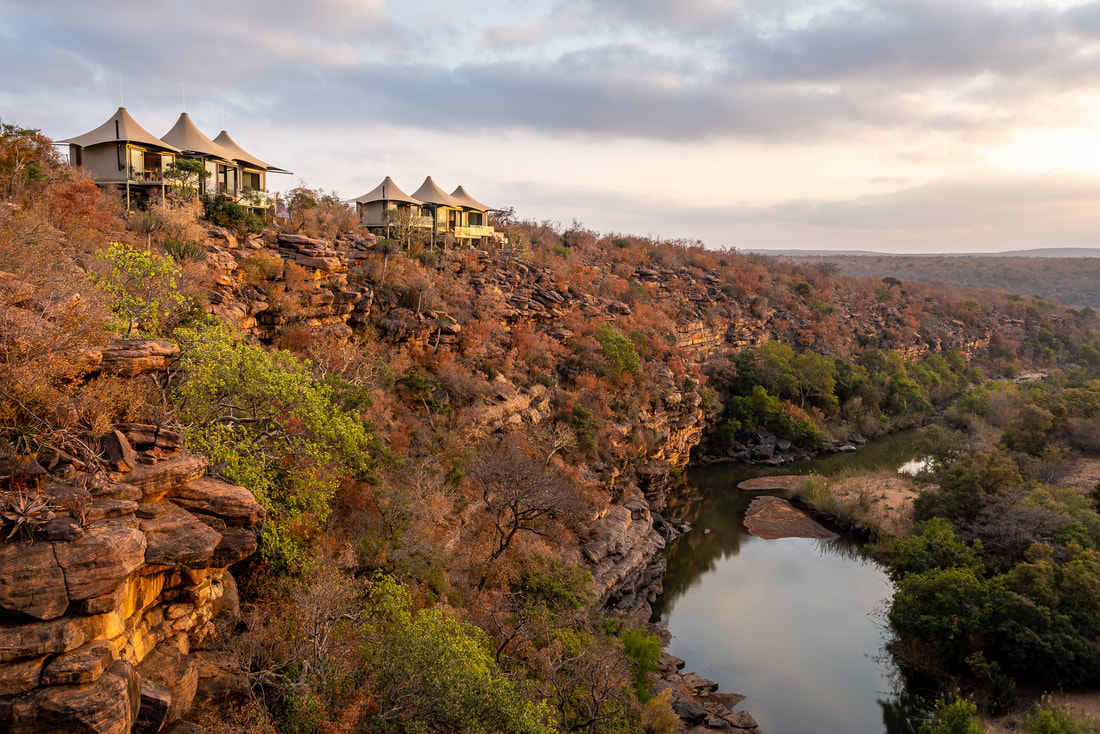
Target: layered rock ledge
[(99, 614)]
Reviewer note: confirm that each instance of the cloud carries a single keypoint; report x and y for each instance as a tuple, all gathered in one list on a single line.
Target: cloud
[(970, 67), (917, 84), (696, 70), (999, 211)]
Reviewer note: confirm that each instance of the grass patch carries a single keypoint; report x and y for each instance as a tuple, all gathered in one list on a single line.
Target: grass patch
[(850, 512)]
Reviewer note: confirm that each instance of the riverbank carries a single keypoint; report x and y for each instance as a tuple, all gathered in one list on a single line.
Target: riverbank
[(783, 622), (874, 505)]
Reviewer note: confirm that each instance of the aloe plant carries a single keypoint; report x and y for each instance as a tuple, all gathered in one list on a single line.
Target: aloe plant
[(26, 512)]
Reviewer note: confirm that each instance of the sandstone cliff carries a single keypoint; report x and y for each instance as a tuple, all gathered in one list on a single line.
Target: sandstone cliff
[(101, 611)]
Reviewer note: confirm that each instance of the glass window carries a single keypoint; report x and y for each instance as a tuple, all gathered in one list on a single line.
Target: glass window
[(136, 164)]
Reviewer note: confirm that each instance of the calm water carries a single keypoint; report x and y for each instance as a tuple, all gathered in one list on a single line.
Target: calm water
[(795, 625)]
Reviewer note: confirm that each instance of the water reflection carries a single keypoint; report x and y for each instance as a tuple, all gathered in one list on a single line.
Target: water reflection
[(793, 624)]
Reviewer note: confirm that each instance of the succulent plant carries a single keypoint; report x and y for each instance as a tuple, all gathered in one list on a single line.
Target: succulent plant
[(25, 512)]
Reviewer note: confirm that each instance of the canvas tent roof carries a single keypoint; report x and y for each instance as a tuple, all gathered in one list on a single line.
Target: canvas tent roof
[(240, 154), (468, 201), (185, 136), (386, 191), (429, 193), (120, 127)]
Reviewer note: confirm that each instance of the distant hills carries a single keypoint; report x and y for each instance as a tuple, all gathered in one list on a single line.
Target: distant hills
[(1037, 252), (1069, 275)]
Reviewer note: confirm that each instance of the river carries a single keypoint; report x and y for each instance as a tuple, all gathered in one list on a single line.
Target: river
[(795, 625)]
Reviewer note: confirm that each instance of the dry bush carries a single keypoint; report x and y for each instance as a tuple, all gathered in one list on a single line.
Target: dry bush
[(105, 400), (316, 213), (1084, 434), (260, 267), (181, 221), (50, 317)]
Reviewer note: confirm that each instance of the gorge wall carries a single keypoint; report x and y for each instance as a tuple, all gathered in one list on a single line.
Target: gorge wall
[(105, 616)]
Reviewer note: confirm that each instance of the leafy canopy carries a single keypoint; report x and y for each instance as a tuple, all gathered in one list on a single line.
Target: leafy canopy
[(266, 424), (435, 672), (142, 287)]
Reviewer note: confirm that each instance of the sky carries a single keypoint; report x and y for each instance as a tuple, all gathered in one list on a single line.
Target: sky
[(884, 125)]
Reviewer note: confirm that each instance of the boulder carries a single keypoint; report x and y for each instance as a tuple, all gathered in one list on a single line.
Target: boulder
[(156, 701), (19, 641), (742, 720), (60, 527), (107, 706), (132, 357), (698, 684), (157, 480), (16, 678), (210, 496), (108, 507), (763, 451), (236, 545), (689, 711), (115, 490), (82, 665), (102, 560), (147, 436), (117, 452), (176, 538), (31, 581), (670, 662), (177, 672)]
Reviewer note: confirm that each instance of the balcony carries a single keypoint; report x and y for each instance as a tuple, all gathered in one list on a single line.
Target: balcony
[(474, 232)]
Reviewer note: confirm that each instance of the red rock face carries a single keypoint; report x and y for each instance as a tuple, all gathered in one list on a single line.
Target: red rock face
[(127, 587)]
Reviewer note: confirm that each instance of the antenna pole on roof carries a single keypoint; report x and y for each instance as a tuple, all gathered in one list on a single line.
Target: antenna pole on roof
[(121, 103), (223, 116), (183, 93)]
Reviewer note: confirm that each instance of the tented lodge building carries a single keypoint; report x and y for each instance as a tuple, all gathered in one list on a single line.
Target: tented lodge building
[(122, 153)]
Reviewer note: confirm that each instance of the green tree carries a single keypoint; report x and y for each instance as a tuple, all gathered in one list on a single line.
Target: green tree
[(943, 608), (815, 376), (142, 287), (954, 715), (435, 673), (266, 424), (1030, 430), (620, 356), (932, 545), (184, 177)]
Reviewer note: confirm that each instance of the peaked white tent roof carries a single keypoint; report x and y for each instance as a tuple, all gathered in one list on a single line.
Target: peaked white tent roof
[(185, 136), (468, 201), (240, 154), (386, 191), (121, 127), (429, 193)]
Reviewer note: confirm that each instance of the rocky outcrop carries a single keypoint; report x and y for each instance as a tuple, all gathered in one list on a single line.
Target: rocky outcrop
[(133, 357), (772, 517), (320, 297), (696, 701), (508, 406), (99, 614), (625, 556)]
